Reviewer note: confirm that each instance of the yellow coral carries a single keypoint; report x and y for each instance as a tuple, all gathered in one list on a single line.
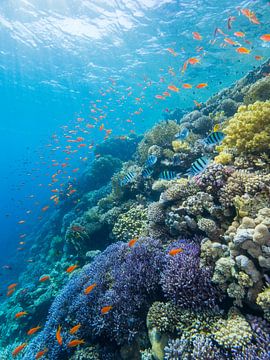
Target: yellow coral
[(223, 158), (179, 146), (248, 131)]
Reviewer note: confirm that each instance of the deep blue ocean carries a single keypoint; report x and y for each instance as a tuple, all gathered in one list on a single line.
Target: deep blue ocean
[(87, 69)]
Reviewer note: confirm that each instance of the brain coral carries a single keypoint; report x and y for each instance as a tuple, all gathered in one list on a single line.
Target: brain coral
[(248, 131)]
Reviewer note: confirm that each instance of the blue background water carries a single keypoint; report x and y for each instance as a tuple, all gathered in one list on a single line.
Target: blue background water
[(58, 56)]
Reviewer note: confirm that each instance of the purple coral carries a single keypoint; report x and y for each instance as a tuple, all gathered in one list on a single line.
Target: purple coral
[(127, 279), (183, 280)]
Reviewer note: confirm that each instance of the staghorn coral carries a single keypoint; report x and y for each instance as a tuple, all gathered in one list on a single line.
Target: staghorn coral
[(161, 135), (131, 223), (259, 91), (184, 282), (248, 131)]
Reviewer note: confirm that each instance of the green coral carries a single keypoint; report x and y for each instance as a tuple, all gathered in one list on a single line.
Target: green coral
[(260, 90), (161, 134), (248, 131), (263, 300), (234, 332), (130, 224)]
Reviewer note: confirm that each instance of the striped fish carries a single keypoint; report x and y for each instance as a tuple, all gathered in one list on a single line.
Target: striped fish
[(152, 159), (198, 166), (146, 173), (214, 138), (128, 178), (169, 175)]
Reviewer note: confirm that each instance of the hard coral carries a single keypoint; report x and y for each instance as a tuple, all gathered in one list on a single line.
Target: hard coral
[(248, 131), (260, 90)]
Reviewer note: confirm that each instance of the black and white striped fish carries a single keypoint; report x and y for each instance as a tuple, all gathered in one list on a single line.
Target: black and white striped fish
[(146, 173), (128, 178), (169, 175), (151, 160), (214, 138), (198, 166)]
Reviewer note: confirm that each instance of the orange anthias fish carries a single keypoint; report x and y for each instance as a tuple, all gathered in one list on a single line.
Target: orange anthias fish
[(184, 68), (258, 57), (89, 288), (41, 353), (18, 349), (172, 51), (201, 85), (74, 329), (20, 314), (197, 103), (132, 242), (250, 15), (58, 336), (239, 34), (196, 36), (75, 342), (174, 252), (33, 330), (160, 97), (105, 309), (44, 278), (187, 86), (265, 37), (12, 286), (71, 268), (243, 50), (101, 127), (45, 208), (10, 292), (193, 61), (230, 41), (173, 88)]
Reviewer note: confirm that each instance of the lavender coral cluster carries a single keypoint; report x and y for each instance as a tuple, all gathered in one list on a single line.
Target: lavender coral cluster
[(129, 279)]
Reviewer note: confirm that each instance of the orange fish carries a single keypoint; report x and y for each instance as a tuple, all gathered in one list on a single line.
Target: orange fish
[(159, 97), (18, 349), (250, 15), (197, 103), (71, 268), (33, 330), (12, 286), (172, 51), (89, 288), (20, 314), (184, 68), (258, 57), (132, 242), (175, 251), (74, 329), (230, 41), (239, 34), (265, 37), (187, 86), (196, 36), (193, 61), (41, 353), (75, 342), (243, 50), (45, 208), (173, 88), (201, 85), (58, 336), (105, 309), (44, 278), (10, 292), (166, 93), (101, 127)]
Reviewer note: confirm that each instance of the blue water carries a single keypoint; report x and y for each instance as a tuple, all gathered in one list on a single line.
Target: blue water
[(57, 58)]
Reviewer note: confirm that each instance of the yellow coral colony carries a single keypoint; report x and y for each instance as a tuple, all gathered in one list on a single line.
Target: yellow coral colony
[(248, 131)]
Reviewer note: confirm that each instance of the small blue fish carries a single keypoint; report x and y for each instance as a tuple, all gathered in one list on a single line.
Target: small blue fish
[(183, 134), (198, 166), (128, 178), (169, 175), (146, 173), (152, 159), (214, 138)]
